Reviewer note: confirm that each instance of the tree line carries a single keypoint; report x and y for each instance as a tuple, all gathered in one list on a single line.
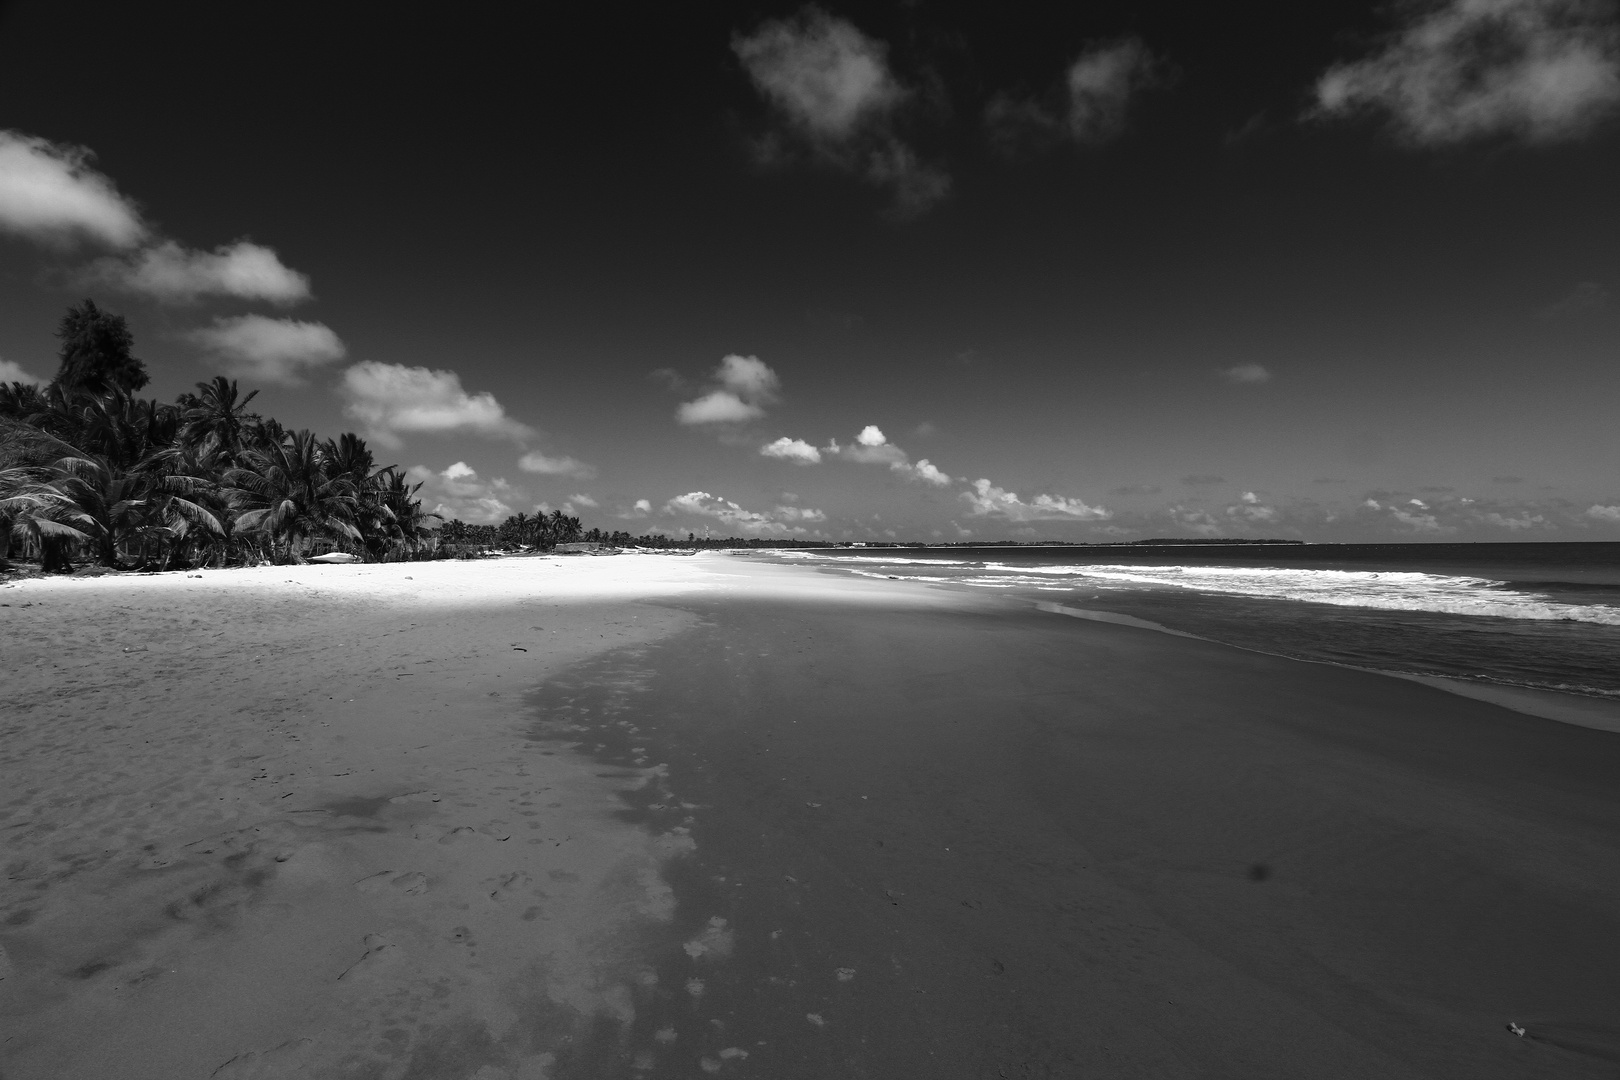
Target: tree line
[(91, 471)]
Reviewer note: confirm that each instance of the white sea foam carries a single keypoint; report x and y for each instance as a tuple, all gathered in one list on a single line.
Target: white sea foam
[(1388, 591)]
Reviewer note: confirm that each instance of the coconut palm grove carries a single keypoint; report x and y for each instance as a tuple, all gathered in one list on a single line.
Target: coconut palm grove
[(93, 473)]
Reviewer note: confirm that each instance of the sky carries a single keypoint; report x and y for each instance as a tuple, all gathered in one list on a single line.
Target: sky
[(916, 271)]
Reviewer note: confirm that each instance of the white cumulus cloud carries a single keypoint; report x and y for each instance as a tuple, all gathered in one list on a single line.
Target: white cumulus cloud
[(795, 450), (832, 86), (718, 407), (1604, 513), (50, 194), (389, 400), (781, 521), (746, 385), (1537, 70), (536, 462), (175, 274), (988, 500), (872, 447), (280, 351), (1250, 374), (457, 492), (11, 371)]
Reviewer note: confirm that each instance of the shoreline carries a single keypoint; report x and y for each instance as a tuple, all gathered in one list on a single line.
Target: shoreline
[(1581, 710)]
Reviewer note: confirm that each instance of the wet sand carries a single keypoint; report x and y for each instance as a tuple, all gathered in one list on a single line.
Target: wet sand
[(746, 820), (994, 842)]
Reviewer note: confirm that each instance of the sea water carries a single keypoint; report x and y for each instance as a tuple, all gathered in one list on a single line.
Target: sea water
[(1543, 615)]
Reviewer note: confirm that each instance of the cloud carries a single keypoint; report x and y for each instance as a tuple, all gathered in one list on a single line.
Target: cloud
[(746, 386), (1101, 83), (1250, 510), (718, 407), (1203, 479), (795, 450), (280, 351), (536, 462), (1097, 92), (872, 447), (174, 274), (1198, 521), (1534, 70), (1584, 299), (1604, 513), (50, 194), (748, 377), (782, 521), (11, 371), (822, 73), (643, 506), (583, 500), (987, 500), (457, 492), (392, 399), (1249, 374), (831, 86)]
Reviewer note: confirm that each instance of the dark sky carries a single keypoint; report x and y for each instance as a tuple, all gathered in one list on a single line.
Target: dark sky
[(1193, 297)]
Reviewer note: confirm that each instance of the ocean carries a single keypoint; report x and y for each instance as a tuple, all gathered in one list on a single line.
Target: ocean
[(1541, 615)]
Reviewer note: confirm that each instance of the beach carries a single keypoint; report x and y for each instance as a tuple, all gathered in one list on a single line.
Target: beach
[(668, 817)]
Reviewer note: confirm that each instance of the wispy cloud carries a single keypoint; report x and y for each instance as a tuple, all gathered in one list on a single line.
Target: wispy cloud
[(872, 447), (1586, 298), (988, 500), (795, 450), (173, 274), (780, 521), (458, 492), (831, 86), (1535, 70), (746, 385), (281, 351), (390, 400), (1607, 514), (1246, 374), (11, 371), (49, 193), (536, 462), (1095, 99)]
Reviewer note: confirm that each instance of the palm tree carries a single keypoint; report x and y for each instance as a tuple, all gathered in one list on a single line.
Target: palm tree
[(284, 492), (33, 511), (219, 414)]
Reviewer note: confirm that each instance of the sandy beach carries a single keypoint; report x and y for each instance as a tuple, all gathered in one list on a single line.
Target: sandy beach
[(670, 817)]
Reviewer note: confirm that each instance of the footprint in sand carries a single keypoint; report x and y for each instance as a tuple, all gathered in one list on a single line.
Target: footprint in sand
[(283, 1060), (509, 885), (381, 954), (410, 884), (413, 884)]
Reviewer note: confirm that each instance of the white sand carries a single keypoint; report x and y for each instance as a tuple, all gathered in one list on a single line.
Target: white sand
[(185, 884)]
